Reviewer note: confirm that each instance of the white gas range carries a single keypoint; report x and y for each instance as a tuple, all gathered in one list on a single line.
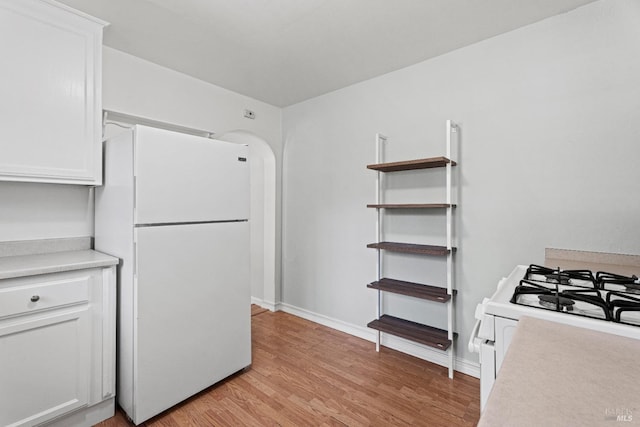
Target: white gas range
[(577, 301)]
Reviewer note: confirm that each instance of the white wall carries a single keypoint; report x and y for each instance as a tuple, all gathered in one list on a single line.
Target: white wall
[(548, 158), (44, 211), (134, 86)]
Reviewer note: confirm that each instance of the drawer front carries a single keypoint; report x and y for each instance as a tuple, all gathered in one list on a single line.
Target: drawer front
[(45, 294)]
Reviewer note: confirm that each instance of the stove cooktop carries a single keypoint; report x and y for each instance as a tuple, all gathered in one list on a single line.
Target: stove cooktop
[(605, 296)]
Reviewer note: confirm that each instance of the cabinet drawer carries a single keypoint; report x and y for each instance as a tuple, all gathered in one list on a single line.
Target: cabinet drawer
[(44, 294)]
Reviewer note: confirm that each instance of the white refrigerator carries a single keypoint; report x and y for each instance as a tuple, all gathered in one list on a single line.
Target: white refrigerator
[(174, 208)]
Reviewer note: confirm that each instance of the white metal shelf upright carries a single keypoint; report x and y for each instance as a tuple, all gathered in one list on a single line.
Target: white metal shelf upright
[(380, 140), (451, 128)]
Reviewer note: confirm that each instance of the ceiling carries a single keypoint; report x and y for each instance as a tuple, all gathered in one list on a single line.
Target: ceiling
[(286, 51)]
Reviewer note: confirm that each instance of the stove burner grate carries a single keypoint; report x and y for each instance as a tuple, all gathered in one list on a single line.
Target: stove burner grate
[(562, 277), (621, 304), (577, 300), (607, 296), (631, 284)]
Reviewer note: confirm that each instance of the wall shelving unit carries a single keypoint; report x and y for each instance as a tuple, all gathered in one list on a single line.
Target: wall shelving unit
[(427, 335)]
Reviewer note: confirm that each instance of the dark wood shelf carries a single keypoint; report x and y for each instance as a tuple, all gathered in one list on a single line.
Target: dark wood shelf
[(411, 206), (431, 162), (412, 248), (412, 331), (416, 290)]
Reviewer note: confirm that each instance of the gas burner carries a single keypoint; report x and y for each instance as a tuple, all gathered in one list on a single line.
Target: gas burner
[(632, 288), (556, 302), (558, 277)]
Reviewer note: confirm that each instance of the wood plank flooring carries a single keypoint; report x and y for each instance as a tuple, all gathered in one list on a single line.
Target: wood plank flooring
[(305, 374), (256, 309)]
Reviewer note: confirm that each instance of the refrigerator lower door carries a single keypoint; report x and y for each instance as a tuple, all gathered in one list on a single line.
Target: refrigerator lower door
[(193, 315)]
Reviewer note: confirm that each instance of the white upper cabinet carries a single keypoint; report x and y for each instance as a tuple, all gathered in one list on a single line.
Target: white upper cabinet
[(50, 81)]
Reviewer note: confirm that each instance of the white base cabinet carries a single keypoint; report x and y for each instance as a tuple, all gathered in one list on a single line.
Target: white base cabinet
[(50, 81), (57, 347), (40, 377)]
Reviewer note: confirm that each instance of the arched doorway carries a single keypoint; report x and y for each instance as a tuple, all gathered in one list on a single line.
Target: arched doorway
[(262, 167)]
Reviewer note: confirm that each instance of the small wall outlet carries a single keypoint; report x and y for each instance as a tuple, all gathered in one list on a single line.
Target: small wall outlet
[(249, 114)]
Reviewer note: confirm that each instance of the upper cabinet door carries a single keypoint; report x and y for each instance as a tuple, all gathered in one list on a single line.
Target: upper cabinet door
[(50, 81)]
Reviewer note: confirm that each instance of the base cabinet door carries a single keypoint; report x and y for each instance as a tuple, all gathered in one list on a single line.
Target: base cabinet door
[(45, 365)]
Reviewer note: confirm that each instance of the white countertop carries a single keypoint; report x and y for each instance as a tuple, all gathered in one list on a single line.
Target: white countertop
[(560, 375), (30, 265)]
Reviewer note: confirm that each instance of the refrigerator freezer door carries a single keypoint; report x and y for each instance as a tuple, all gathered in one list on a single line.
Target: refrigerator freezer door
[(193, 315), (185, 178)]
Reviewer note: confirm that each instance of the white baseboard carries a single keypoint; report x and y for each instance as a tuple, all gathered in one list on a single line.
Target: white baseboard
[(417, 350), (264, 304), (358, 331)]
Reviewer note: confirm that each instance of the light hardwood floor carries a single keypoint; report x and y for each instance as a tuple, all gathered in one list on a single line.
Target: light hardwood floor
[(305, 374)]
